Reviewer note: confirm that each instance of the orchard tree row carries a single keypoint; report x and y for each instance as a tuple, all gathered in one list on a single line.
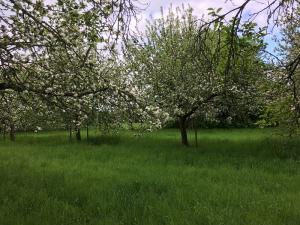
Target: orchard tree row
[(74, 63)]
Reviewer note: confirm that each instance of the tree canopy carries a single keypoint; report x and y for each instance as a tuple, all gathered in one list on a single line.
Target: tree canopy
[(63, 60)]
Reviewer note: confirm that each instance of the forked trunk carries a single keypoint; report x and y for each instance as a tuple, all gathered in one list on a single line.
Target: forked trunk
[(183, 132)]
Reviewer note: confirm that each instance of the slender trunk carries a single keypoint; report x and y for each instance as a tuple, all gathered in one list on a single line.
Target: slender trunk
[(183, 132), (87, 132), (4, 131), (12, 135), (78, 135), (70, 132), (196, 137), (196, 134)]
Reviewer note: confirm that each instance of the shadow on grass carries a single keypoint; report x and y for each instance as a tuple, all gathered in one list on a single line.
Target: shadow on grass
[(104, 139), (271, 147), (211, 144)]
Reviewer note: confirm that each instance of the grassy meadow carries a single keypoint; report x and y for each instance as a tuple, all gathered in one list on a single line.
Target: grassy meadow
[(233, 177)]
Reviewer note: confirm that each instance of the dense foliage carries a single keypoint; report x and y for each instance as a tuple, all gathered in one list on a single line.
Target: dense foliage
[(183, 70), (62, 67)]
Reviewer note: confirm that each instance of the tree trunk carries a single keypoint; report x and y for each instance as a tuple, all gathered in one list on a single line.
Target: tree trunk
[(196, 133), (78, 135), (87, 132), (12, 135), (4, 131), (183, 132), (196, 136), (70, 132)]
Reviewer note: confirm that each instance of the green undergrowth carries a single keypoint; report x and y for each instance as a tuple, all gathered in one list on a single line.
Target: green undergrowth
[(239, 176)]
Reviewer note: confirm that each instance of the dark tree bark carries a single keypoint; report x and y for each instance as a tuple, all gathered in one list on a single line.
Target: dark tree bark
[(4, 131), (70, 132), (87, 132), (196, 136), (12, 132), (183, 131), (78, 135)]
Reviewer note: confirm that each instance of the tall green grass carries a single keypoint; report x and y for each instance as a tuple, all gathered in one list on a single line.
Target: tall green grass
[(233, 177)]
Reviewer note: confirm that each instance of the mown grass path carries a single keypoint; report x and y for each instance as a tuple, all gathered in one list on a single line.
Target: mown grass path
[(234, 177)]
